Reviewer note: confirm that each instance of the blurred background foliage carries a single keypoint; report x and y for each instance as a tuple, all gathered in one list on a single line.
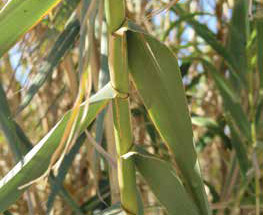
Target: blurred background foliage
[(219, 46)]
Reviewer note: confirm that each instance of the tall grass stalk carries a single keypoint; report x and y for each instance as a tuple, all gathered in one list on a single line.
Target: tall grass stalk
[(115, 14)]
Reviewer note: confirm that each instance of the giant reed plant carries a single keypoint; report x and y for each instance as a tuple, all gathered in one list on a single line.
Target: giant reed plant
[(138, 64)]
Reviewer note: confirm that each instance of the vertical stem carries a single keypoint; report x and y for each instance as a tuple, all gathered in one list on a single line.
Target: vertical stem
[(252, 113), (254, 141), (115, 14)]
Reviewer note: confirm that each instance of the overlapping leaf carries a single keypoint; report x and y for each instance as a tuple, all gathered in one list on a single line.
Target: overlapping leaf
[(156, 75), (167, 187), (37, 160)]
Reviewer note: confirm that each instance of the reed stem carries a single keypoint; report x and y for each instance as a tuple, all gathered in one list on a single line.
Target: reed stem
[(115, 15)]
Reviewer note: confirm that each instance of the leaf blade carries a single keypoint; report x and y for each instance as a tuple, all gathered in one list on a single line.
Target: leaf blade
[(37, 160), (170, 193), (19, 16), (156, 75)]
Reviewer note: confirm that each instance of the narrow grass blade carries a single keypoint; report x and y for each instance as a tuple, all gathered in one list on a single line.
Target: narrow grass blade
[(9, 128), (63, 170), (23, 138), (182, 18), (64, 43), (231, 100), (237, 36), (167, 187), (95, 202), (66, 196), (16, 136), (19, 16), (37, 160), (204, 32), (241, 151), (156, 74)]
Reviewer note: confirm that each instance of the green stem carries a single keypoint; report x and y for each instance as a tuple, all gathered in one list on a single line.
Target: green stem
[(254, 136), (115, 14)]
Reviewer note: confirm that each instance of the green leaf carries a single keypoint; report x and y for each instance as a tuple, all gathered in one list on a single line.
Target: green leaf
[(19, 16), (20, 145), (156, 74), (167, 187), (36, 162), (237, 37), (241, 150), (94, 202)]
